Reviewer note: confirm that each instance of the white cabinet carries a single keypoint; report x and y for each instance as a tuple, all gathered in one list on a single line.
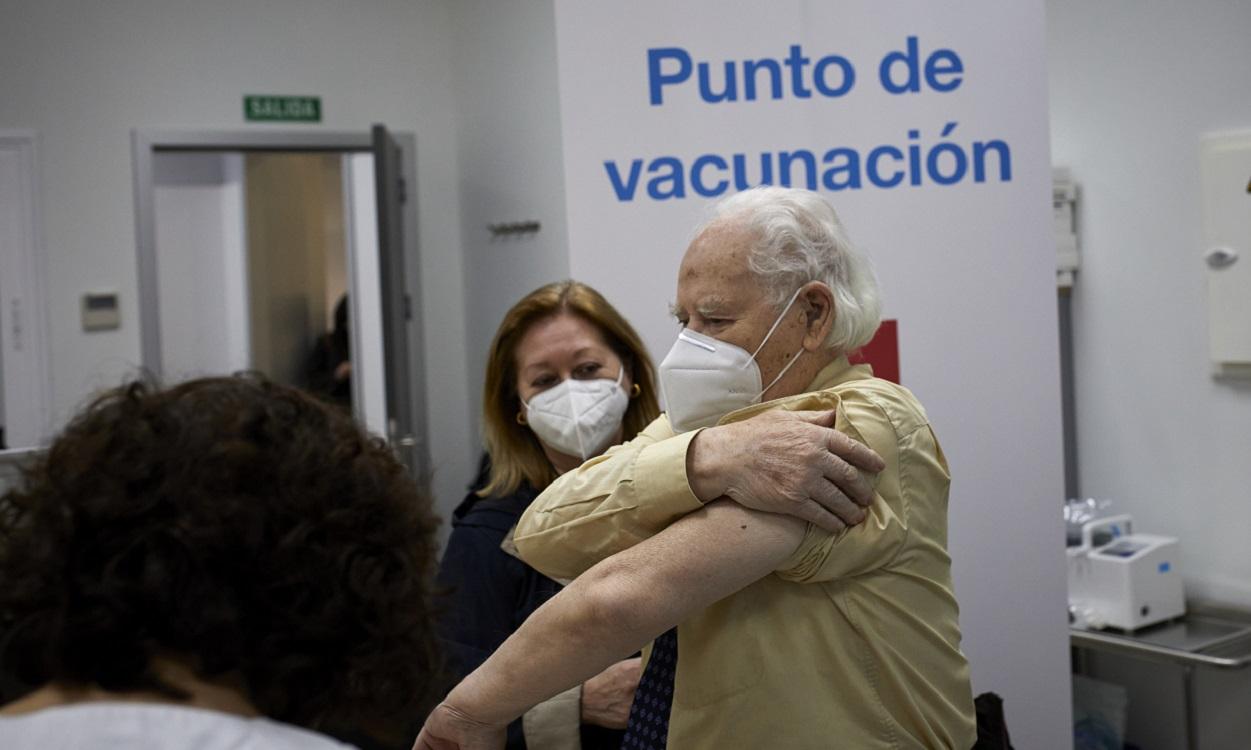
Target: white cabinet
[(1226, 160)]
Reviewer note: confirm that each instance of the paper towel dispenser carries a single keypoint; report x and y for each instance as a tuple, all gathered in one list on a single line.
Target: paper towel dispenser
[(1226, 165)]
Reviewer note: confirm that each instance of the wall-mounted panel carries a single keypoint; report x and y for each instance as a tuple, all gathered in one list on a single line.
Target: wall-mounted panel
[(1226, 163)]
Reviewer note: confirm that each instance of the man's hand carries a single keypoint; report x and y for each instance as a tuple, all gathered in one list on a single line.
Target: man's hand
[(607, 696), (788, 462), (449, 729)]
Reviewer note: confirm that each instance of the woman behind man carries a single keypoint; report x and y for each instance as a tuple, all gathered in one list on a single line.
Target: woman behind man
[(567, 377), (224, 564)]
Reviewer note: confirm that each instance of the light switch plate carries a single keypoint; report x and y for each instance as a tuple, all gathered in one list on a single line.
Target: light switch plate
[(101, 311)]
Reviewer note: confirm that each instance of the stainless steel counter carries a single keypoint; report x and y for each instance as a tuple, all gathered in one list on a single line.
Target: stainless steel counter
[(1217, 639), (1196, 639)]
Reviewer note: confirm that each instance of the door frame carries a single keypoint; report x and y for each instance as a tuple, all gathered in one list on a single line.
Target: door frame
[(147, 142), (26, 316)]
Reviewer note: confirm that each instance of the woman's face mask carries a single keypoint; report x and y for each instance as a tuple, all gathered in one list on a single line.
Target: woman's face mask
[(703, 378), (578, 417)]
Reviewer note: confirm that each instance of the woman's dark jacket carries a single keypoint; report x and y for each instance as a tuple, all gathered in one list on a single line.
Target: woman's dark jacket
[(490, 593)]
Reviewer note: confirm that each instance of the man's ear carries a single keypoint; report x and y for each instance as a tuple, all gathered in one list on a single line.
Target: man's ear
[(817, 303)]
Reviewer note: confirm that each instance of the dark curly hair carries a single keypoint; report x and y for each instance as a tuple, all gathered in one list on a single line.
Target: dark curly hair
[(237, 524)]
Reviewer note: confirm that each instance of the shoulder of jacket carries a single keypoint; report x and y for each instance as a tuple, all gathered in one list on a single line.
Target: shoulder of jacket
[(894, 402), (497, 514)]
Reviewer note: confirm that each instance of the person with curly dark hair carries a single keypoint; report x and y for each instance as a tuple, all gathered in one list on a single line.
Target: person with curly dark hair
[(223, 563)]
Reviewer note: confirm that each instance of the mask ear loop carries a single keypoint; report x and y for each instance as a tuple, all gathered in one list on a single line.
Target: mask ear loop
[(776, 323), (774, 382)]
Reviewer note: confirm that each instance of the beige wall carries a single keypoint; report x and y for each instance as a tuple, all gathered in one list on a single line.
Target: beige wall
[(334, 225), (295, 232)]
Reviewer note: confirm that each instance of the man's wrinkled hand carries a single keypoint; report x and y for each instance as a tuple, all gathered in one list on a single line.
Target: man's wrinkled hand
[(447, 728), (789, 462), (606, 697)]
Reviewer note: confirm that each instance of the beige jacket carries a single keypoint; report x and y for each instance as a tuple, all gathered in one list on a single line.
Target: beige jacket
[(854, 642)]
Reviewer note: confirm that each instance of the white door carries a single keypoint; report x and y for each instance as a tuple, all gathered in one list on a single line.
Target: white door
[(365, 279), (24, 414)]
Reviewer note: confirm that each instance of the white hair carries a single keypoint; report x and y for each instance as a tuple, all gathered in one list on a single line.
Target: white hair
[(800, 239)]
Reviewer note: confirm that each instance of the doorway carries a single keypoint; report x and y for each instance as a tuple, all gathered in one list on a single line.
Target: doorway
[(25, 414), (284, 253)]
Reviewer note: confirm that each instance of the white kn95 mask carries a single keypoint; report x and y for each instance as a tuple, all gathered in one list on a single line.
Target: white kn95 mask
[(578, 417), (703, 379)]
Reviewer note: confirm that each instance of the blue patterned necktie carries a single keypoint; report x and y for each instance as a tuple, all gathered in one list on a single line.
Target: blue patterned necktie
[(648, 727)]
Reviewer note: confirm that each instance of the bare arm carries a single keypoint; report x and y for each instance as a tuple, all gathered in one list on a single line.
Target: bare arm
[(609, 612)]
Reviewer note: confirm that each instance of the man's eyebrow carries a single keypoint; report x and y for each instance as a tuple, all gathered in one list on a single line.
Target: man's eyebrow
[(711, 306)]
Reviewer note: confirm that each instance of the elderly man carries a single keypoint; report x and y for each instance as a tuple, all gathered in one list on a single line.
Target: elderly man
[(793, 631)]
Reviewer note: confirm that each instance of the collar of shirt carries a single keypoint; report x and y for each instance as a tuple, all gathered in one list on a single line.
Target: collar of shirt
[(835, 373), (838, 372)]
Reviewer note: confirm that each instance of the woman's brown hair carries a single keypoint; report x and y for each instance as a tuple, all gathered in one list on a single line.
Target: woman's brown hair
[(516, 455)]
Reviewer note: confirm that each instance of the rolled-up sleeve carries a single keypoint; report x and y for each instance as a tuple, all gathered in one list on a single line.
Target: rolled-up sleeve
[(873, 543), (609, 504)]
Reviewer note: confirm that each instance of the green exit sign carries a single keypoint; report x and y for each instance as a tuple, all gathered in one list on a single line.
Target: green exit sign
[(282, 108)]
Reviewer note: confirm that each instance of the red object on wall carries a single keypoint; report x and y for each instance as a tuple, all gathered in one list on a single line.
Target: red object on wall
[(882, 353)]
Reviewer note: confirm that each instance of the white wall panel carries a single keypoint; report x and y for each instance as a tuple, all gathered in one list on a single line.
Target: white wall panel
[(83, 75)]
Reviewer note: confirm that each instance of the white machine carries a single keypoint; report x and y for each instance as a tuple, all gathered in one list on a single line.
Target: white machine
[(1129, 582)]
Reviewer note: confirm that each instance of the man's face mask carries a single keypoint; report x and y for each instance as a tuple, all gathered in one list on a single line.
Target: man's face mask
[(703, 379), (578, 417)]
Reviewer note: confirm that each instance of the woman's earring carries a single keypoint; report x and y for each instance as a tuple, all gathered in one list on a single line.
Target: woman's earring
[(521, 418), (635, 391)]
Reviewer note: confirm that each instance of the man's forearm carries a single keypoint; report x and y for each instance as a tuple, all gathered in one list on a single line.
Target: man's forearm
[(623, 603)]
